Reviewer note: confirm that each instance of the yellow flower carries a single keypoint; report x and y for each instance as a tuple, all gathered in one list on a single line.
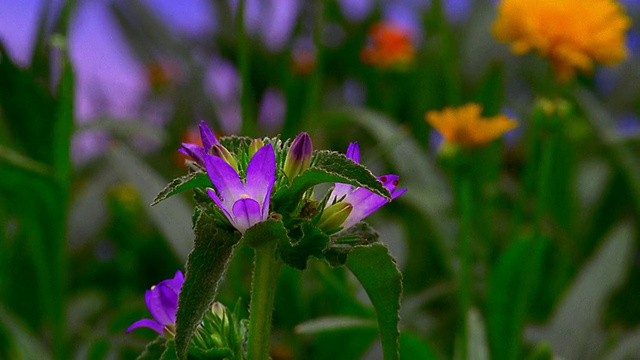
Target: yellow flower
[(573, 34), (466, 127), (390, 46)]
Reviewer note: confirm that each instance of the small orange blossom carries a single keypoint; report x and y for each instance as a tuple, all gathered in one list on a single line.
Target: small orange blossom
[(390, 45), (466, 127)]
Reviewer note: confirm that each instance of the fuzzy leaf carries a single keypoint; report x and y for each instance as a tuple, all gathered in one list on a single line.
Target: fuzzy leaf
[(182, 183), (328, 167), (154, 349), (378, 273), (266, 230), (312, 243), (205, 267)]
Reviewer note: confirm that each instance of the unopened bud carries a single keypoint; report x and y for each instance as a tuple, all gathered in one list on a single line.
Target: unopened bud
[(222, 152), (255, 145), (299, 157), (335, 215)]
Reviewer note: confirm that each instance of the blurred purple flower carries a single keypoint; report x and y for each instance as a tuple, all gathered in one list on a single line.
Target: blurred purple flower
[(244, 203), (193, 17), (628, 125), (364, 201), (162, 302), (273, 109), (272, 20), (356, 10), (457, 11), (197, 152), (223, 83)]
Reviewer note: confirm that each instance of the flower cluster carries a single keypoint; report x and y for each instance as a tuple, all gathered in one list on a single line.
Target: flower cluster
[(573, 34), (464, 126), (243, 193), (391, 46)]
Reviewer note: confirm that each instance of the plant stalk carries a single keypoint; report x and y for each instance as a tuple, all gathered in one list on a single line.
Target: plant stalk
[(263, 291), (465, 198)]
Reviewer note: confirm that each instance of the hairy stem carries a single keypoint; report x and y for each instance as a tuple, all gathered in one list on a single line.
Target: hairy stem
[(263, 291)]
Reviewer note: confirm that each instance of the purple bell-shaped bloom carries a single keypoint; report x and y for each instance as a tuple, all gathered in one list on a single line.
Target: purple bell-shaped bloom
[(197, 152), (364, 201), (244, 203), (162, 302)]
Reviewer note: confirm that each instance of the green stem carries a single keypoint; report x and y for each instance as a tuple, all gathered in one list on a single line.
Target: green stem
[(531, 265), (248, 126), (465, 198), (263, 291)]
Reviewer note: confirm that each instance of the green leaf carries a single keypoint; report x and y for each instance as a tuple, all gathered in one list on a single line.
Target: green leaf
[(24, 344), (333, 323), (573, 331), (205, 268), (412, 347), (267, 230), (477, 340), (154, 349), (182, 183), (378, 273), (327, 167), (508, 297), (312, 243), (170, 352), (172, 217), (490, 92)]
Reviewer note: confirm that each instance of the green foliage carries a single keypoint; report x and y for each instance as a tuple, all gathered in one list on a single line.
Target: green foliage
[(377, 271), (206, 265), (190, 181)]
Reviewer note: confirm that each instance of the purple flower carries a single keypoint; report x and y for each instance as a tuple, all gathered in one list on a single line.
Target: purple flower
[(162, 302), (197, 152), (244, 203), (364, 201)]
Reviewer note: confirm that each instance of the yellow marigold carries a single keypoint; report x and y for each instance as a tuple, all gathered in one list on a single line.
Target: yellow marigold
[(390, 45), (466, 127), (573, 34)]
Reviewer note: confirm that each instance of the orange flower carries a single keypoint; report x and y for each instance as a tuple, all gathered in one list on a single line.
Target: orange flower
[(391, 46), (573, 34), (466, 127)]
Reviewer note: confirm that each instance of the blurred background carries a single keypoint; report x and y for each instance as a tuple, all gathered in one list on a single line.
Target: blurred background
[(97, 95)]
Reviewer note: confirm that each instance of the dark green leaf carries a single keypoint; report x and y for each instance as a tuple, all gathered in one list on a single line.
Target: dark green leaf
[(412, 347), (170, 352), (490, 92), (154, 349), (360, 234), (182, 183), (333, 324), (265, 231), (378, 273), (312, 243), (508, 299), (327, 167), (205, 267)]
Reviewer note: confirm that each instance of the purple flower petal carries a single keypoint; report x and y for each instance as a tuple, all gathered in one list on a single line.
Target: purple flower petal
[(246, 213), (208, 139), (148, 323), (221, 205), (196, 152), (169, 301), (364, 202), (353, 152), (225, 179), (261, 173), (153, 298)]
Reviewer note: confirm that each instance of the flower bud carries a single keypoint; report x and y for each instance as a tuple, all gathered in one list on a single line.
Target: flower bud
[(255, 145), (299, 157), (222, 152), (335, 215)]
